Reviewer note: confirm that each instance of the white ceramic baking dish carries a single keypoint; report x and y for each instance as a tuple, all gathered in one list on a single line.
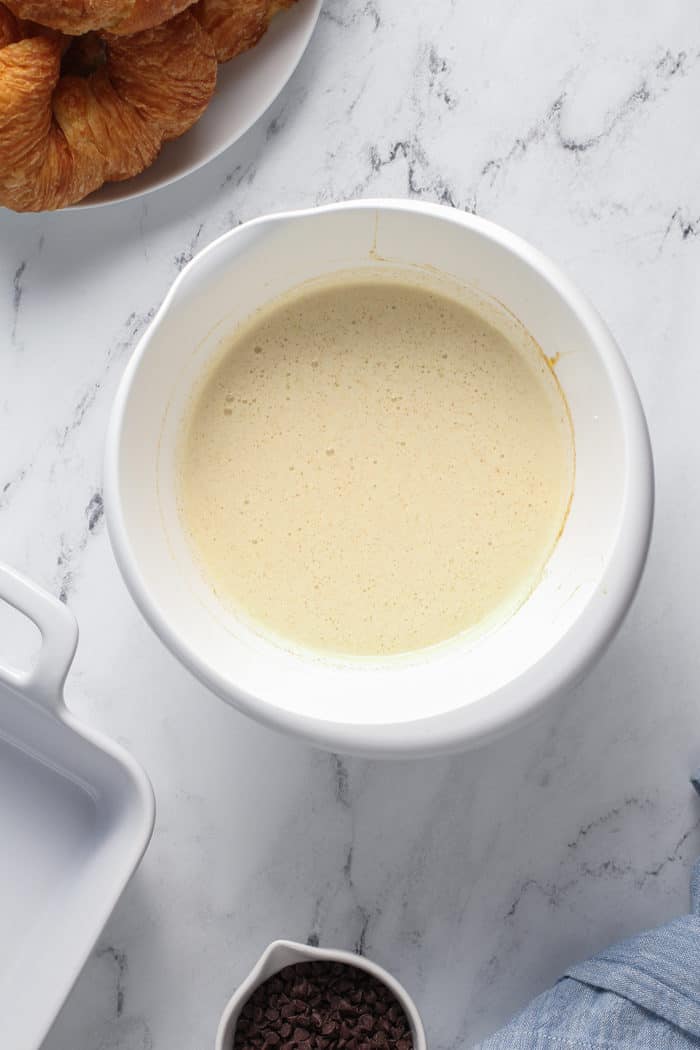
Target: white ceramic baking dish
[(76, 814)]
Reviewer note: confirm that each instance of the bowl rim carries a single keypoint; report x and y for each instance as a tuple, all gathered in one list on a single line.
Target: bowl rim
[(524, 696), (313, 953)]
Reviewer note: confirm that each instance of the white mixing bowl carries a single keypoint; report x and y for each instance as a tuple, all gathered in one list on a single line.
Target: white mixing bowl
[(453, 696)]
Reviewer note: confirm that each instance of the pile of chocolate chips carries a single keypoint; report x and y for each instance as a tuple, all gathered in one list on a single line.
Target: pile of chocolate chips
[(322, 1006)]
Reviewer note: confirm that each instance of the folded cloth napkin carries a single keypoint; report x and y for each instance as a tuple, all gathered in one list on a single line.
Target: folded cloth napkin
[(643, 993)]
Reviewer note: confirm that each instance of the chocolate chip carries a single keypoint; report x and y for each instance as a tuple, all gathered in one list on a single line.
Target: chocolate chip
[(322, 1006)]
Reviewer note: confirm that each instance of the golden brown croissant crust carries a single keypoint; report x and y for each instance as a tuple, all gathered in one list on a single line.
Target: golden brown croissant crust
[(120, 17), (236, 25), (76, 112), (63, 135)]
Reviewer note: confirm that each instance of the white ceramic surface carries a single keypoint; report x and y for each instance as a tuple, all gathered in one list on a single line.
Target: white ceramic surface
[(451, 696), (245, 87), (476, 879), (286, 953), (76, 814)]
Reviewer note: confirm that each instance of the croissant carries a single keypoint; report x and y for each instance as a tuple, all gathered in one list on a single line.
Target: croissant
[(63, 135), (236, 25), (120, 17)]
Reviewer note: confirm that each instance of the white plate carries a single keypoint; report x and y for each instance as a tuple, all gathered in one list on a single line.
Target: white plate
[(246, 86)]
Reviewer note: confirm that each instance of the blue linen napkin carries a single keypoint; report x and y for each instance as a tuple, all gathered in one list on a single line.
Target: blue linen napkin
[(643, 993)]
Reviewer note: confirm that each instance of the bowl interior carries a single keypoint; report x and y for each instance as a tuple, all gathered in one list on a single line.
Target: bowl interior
[(241, 272)]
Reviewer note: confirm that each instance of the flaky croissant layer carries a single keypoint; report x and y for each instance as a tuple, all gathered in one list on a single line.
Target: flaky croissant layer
[(121, 17), (63, 135)]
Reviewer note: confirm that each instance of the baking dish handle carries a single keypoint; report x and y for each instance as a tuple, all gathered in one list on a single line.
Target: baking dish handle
[(59, 637)]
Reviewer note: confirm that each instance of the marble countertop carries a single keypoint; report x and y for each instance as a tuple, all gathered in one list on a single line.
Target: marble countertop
[(474, 879)]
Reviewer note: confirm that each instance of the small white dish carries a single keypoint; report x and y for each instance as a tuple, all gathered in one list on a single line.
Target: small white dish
[(285, 953), (246, 86), (470, 689)]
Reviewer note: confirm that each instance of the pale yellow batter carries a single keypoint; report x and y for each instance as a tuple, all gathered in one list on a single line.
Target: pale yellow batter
[(371, 467)]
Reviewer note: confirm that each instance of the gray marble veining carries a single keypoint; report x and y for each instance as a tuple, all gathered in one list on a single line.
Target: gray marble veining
[(475, 879)]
